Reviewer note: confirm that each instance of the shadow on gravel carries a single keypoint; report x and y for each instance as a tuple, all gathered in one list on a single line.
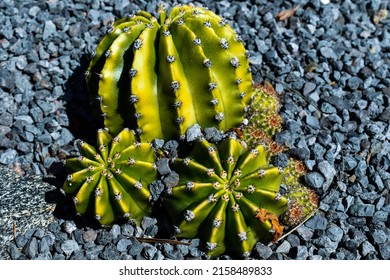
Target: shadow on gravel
[(82, 121), (83, 125)]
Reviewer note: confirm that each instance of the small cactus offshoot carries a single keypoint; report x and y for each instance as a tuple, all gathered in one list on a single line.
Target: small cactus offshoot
[(263, 116), (160, 76), (302, 201), (228, 196), (111, 181)]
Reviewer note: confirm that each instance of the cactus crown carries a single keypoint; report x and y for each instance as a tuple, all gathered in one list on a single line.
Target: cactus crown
[(228, 195), (111, 182), (159, 77)]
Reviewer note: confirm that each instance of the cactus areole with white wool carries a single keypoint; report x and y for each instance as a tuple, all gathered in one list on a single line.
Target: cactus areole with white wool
[(160, 76)]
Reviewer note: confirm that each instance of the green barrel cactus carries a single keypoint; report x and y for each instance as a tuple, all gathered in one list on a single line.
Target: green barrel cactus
[(160, 76), (111, 181), (228, 196)]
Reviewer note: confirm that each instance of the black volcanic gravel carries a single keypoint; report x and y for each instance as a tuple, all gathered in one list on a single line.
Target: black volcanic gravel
[(328, 62)]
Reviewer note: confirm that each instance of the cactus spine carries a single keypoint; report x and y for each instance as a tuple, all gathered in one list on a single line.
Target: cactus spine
[(111, 182), (159, 77), (227, 195)]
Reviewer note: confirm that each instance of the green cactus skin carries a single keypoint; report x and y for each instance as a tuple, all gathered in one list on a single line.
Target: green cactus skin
[(111, 182), (228, 196), (302, 201), (159, 77), (263, 116)]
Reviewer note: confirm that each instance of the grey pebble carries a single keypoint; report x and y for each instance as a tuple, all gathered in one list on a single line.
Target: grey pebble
[(302, 253), (110, 252), (123, 244), (335, 233), (317, 222), (89, 235), (69, 246), (284, 247), (367, 248), (384, 250), (305, 233), (314, 179), (31, 248), (48, 30), (115, 231), (104, 237), (362, 210), (212, 134), (193, 133), (263, 251), (163, 166)]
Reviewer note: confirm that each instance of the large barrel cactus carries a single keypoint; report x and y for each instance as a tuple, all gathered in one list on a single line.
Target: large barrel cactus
[(111, 182), (160, 76), (227, 195)]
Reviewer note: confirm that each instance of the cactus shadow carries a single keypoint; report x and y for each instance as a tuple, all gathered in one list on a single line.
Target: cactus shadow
[(82, 120), (64, 207)]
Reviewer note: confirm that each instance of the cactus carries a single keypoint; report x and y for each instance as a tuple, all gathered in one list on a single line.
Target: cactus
[(263, 116), (111, 182), (302, 201), (159, 77), (227, 195)]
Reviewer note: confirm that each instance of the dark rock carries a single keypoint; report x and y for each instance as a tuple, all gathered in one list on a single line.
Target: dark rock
[(135, 247), (127, 230), (335, 233), (170, 148), (149, 252), (317, 222), (115, 231), (314, 179), (13, 252), (103, 237), (69, 246), (31, 248), (302, 253), (171, 180), (156, 189), (212, 134), (193, 133), (110, 252), (305, 233), (123, 244), (89, 235), (384, 250), (367, 248), (92, 253), (362, 210), (379, 236), (300, 153), (284, 247), (68, 226), (163, 166), (148, 222)]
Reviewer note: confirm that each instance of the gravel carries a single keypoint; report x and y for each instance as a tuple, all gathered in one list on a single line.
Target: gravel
[(329, 63)]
